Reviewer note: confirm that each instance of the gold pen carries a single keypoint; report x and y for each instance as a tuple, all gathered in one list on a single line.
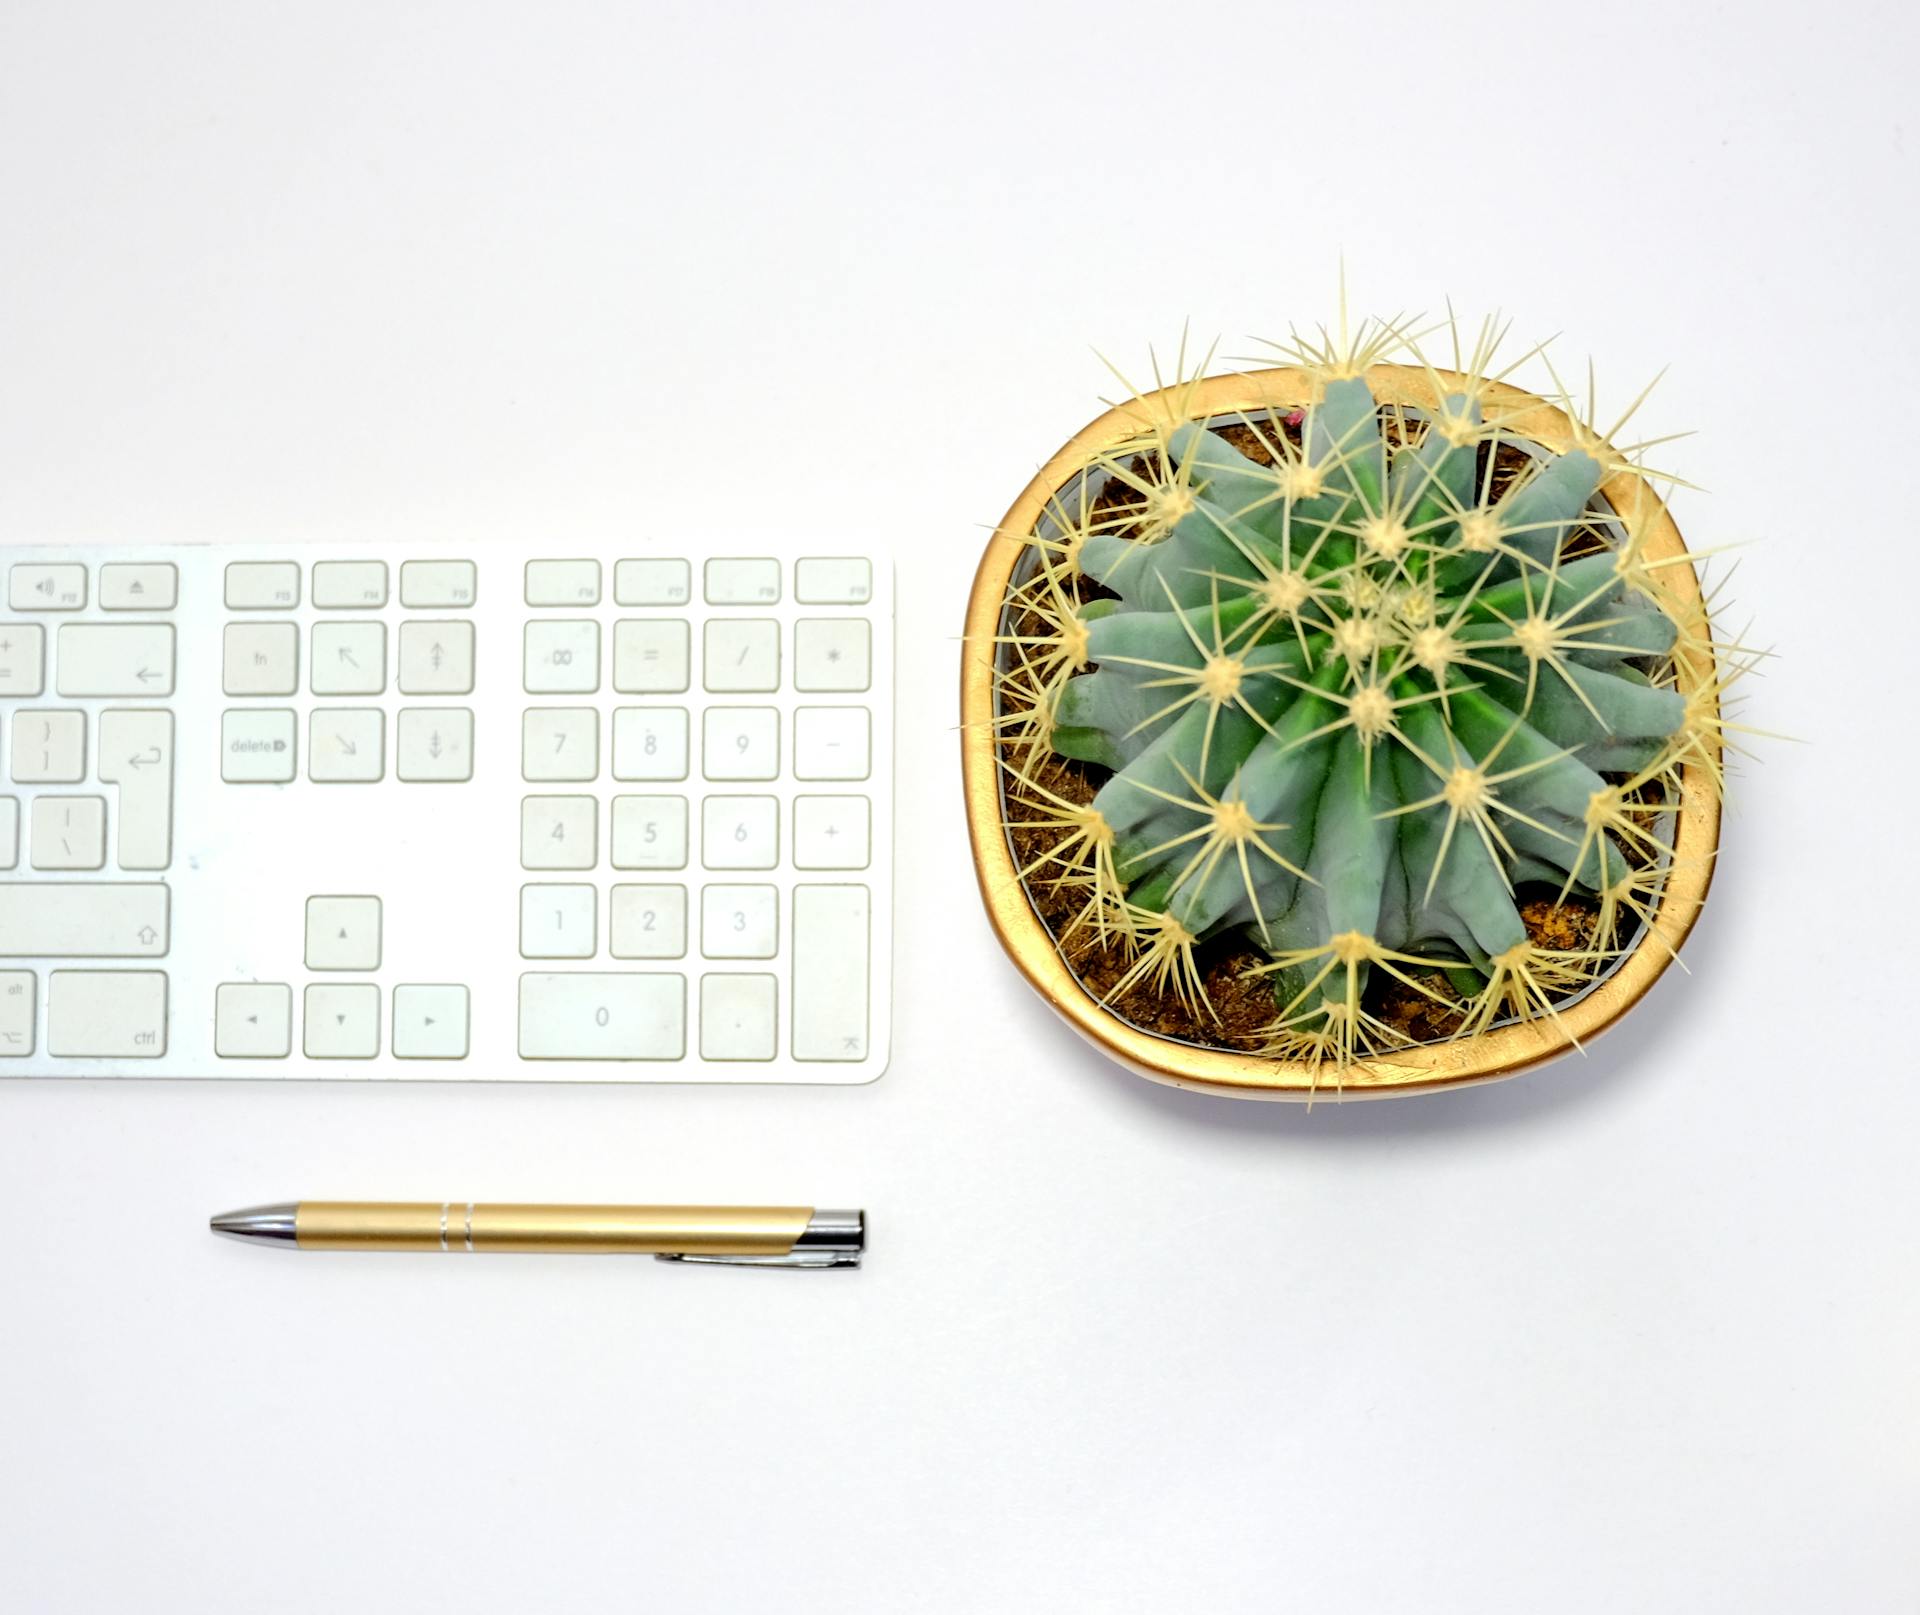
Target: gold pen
[(734, 1236)]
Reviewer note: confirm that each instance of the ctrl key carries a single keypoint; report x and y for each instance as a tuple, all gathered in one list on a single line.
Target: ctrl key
[(107, 1014)]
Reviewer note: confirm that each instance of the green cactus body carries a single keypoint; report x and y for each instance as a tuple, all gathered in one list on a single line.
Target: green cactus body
[(1354, 699)]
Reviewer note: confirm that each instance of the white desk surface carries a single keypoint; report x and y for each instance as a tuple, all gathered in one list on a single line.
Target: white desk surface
[(1637, 1332)]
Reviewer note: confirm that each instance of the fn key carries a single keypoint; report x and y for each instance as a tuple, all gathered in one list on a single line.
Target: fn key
[(831, 940)]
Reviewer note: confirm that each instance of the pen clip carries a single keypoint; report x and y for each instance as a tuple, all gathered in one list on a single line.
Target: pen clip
[(830, 1239)]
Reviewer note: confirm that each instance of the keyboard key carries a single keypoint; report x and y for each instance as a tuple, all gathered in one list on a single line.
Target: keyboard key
[(831, 743), (9, 832), (742, 581), (16, 1014), (122, 658), (831, 939), (650, 743), (343, 933), (740, 832), (436, 658), (649, 832), (253, 1020), (652, 583), (563, 583), (628, 1016), (22, 658), (649, 922), (429, 1022), (739, 1017), (347, 745), (558, 922), (49, 746), (70, 832), (434, 745), (562, 658), (262, 658), (263, 585), (739, 922), (93, 920), (107, 1014), (833, 580), (435, 586), (831, 832), (58, 586), (832, 653), (144, 586), (342, 1021), (559, 743), (743, 655), (349, 585), (136, 754), (257, 746), (741, 743), (650, 656), (349, 658), (559, 832)]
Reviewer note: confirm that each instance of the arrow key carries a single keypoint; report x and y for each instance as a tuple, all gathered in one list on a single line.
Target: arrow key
[(430, 1023), (343, 1021), (253, 1020), (349, 658), (434, 745), (346, 745), (436, 658)]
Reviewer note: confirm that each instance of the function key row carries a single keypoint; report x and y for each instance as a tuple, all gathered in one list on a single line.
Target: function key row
[(726, 580), (62, 586), (351, 585)]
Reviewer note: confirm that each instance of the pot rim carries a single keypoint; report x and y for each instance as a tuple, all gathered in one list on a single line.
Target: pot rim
[(1424, 1068)]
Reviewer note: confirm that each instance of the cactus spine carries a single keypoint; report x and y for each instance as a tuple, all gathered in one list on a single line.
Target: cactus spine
[(1354, 680)]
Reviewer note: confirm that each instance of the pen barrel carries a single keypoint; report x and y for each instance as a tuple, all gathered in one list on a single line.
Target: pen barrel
[(553, 1230)]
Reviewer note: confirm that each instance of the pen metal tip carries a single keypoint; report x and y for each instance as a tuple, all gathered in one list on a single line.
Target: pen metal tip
[(276, 1223)]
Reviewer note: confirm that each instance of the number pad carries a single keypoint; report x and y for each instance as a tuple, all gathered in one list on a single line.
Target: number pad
[(560, 743), (650, 743), (742, 655), (741, 743), (559, 832), (649, 922), (562, 658), (558, 922), (649, 657), (740, 832), (739, 922), (649, 832)]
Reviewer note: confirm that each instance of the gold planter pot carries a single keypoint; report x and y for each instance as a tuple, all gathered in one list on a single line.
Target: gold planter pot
[(1501, 1052)]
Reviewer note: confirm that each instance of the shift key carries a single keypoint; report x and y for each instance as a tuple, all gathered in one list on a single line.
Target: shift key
[(68, 920)]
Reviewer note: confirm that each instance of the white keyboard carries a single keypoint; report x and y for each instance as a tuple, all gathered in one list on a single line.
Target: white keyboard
[(612, 813)]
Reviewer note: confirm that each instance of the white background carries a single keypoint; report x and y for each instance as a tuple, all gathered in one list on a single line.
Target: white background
[(1636, 1332)]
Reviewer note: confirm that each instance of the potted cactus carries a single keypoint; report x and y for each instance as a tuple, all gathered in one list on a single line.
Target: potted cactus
[(1353, 723)]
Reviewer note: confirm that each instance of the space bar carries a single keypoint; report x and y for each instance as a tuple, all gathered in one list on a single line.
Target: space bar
[(69, 920)]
